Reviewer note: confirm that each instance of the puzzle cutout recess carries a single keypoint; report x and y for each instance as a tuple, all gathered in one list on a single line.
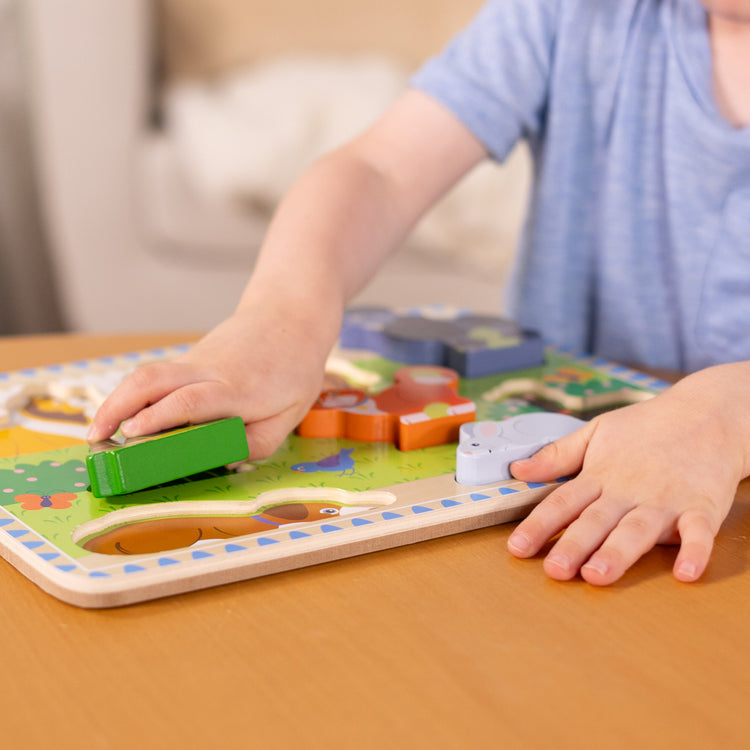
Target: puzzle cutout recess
[(316, 499)]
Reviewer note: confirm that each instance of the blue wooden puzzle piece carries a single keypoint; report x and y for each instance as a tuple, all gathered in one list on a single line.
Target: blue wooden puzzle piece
[(364, 328), (486, 449), (485, 345), (473, 345)]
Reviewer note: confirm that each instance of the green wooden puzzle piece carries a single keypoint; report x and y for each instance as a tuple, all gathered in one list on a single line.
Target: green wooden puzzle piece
[(117, 467)]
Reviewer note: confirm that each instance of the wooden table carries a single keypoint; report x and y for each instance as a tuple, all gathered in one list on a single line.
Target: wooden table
[(446, 644)]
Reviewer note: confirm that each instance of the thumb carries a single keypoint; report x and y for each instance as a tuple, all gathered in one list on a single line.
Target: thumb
[(561, 458)]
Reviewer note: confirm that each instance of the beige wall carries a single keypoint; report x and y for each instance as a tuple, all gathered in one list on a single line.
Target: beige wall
[(208, 36)]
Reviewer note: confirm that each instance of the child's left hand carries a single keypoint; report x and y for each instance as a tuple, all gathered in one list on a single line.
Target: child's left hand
[(663, 471)]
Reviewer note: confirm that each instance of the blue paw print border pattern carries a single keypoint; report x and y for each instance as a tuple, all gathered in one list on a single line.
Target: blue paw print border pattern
[(92, 582)]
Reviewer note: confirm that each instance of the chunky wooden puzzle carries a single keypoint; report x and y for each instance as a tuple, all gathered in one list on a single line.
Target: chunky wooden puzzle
[(318, 498)]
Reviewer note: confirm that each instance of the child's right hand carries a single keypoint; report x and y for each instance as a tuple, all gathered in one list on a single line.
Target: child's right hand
[(264, 364)]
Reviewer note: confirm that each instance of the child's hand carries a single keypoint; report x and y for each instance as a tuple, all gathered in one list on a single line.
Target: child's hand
[(332, 230), (659, 472), (263, 365)]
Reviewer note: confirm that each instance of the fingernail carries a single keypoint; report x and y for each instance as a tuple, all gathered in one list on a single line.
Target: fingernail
[(519, 542), (598, 566), (559, 561), (687, 570), (91, 435), (128, 428)]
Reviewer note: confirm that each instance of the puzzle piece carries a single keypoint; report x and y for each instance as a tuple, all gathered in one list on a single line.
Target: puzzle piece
[(473, 345), (486, 449), (576, 389), (119, 467), (420, 410)]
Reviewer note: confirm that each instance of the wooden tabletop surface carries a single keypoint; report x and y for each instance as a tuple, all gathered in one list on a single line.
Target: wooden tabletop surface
[(450, 643)]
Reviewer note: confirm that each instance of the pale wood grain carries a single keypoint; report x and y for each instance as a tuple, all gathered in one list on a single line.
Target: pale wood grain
[(449, 643)]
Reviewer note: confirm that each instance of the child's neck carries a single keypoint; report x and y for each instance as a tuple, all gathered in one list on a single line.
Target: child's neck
[(730, 50)]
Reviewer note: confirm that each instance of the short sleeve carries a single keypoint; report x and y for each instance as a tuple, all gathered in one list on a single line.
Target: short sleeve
[(494, 75)]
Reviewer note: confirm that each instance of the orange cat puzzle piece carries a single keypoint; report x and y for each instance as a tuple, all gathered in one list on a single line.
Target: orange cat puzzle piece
[(421, 409)]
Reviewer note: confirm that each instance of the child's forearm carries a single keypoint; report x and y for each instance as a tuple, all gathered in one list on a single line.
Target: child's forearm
[(328, 238), (331, 232), (353, 207)]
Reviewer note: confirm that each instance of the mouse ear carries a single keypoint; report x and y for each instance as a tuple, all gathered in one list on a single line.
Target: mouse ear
[(489, 429), (466, 431)]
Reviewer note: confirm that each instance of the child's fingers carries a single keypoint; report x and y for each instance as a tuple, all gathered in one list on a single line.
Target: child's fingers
[(603, 547), (147, 385), (190, 404), (635, 534), (558, 459), (552, 515), (697, 540), (266, 435), (584, 535)]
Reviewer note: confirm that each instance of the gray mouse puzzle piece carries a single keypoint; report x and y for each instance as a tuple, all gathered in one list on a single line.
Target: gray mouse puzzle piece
[(486, 449)]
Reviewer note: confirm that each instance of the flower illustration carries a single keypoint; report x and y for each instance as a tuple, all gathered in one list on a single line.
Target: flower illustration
[(37, 502)]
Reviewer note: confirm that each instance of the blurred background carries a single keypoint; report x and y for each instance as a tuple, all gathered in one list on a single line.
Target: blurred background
[(145, 144)]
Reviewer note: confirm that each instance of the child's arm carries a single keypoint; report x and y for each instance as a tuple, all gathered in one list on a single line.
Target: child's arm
[(662, 471), (336, 226)]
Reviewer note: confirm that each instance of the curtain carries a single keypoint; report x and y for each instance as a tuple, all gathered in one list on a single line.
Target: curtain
[(28, 299)]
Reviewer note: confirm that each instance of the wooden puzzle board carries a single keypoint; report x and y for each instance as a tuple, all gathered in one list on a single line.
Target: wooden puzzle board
[(44, 413)]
